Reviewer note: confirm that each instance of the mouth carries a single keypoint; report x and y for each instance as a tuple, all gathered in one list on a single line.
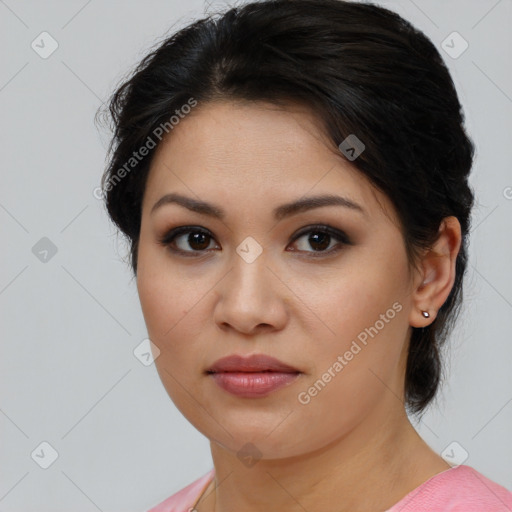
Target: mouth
[(256, 363), (254, 376)]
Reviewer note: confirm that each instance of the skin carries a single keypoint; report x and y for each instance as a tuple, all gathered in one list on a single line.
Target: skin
[(352, 445)]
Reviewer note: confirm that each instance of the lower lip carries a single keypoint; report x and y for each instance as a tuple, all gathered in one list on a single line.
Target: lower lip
[(252, 384)]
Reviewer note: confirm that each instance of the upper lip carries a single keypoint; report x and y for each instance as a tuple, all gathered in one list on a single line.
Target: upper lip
[(252, 363)]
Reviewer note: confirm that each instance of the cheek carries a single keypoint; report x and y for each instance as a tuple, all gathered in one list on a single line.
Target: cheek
[(354, 371), (349, 302), (159, 305), (172, 315), (171, 309), (175, 306), (163, 292), (364, 320)]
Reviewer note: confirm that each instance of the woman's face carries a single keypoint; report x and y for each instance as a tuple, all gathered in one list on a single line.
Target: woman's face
[(332, 304)]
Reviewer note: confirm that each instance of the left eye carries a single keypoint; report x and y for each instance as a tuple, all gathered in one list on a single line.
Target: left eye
[(320, 238)]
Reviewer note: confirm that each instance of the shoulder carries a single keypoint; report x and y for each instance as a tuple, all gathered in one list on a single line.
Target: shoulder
[(185, 499), (458, 489)]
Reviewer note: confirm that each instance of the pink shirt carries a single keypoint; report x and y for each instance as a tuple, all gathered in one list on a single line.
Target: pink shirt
[(458, 489)]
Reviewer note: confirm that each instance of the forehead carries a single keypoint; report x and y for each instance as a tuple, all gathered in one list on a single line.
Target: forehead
[(237, 152), (244, 134)]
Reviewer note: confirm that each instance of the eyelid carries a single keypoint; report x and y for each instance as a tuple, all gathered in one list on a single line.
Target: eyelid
[(337, 234), (170, 235), (324, 228)]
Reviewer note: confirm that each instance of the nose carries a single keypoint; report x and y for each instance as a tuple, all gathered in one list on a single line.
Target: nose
[(251, 298)]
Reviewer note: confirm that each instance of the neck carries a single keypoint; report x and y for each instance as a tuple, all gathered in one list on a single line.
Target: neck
[(370, 468)]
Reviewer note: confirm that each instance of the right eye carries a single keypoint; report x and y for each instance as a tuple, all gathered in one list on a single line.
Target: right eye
[(196, 238)]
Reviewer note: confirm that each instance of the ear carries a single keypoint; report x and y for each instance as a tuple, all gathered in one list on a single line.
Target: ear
[(434, 282)]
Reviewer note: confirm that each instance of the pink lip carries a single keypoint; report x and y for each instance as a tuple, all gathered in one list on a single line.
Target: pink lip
[(253, 376)]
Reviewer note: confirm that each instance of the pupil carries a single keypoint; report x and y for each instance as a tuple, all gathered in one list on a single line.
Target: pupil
[(196, 238), (313, 239)]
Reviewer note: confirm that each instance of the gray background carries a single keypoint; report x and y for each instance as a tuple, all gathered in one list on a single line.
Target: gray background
[(69, 324)]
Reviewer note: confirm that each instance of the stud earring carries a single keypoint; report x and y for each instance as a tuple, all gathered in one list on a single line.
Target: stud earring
[(425, 314)]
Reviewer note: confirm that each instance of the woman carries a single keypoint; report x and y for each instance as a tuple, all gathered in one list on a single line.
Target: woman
[(293, 180)]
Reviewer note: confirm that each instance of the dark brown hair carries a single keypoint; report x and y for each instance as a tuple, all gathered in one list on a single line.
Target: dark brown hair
[(363, 70)]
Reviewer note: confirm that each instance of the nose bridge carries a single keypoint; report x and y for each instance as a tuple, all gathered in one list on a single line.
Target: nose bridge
[(248, 296), (250, 275)]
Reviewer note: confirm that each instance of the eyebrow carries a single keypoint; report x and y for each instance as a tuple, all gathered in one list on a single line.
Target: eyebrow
[(285, 210)]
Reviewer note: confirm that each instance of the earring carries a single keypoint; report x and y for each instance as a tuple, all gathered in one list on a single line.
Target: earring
[(425, 314)]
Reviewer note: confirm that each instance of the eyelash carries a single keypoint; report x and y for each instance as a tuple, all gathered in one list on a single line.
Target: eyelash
[(171, 235)]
